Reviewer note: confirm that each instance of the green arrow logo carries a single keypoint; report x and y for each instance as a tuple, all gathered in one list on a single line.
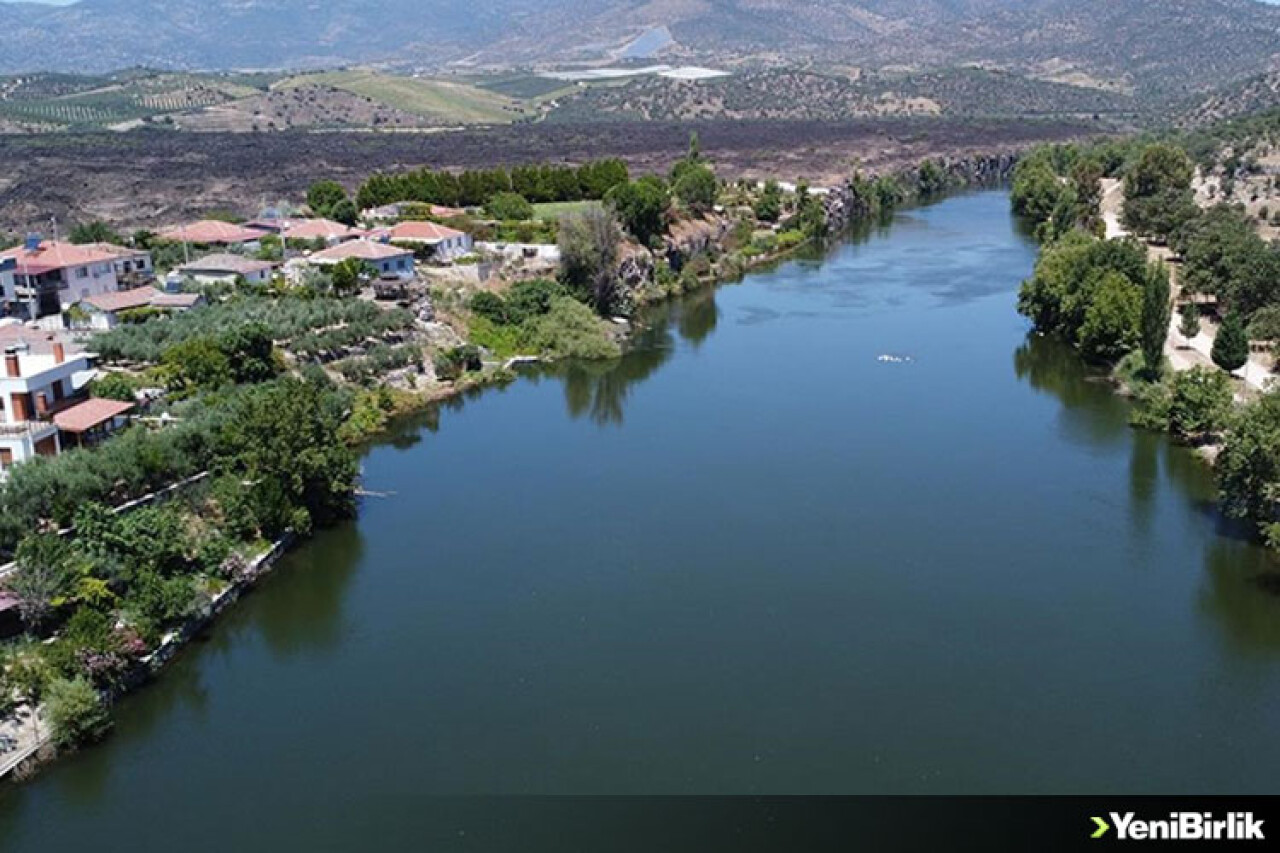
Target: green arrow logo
[(1102, 828)]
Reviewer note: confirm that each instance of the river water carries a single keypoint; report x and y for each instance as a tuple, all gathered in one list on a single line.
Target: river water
[(749, 558)]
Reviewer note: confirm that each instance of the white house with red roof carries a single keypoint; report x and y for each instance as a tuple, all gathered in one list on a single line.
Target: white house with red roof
[(42, 411), (227, 269), (50, 276), (103, 312), (386, 260), (445, 243)]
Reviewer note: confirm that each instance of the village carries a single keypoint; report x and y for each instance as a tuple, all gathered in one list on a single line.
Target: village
[(59, 295)]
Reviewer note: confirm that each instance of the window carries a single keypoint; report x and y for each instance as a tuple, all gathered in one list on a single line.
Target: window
[(82, 272)]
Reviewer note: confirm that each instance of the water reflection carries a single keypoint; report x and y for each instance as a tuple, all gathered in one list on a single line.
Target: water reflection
[(1092, 414), (1240, 593), (309, 618)]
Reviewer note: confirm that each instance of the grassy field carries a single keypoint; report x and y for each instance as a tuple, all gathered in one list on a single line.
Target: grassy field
[(553, 210), (443, 100)]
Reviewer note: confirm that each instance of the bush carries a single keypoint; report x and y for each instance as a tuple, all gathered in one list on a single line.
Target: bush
[(76, 712), (571, 330), (509, 207), (451, 364), (1199, 403)]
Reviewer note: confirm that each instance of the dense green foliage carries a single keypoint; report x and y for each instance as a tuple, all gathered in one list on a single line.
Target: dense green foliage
[(1224, 256), (1157, 192), (641, 207), (324, 196), (473, 188), (1248, 468), (76, 713), (1089, 292)]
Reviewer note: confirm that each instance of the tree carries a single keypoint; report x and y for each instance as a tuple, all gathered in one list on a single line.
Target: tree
[(589, 243), (1112, 322), (323, 195), (1231, 346), (1200, 402), (696, 187), (768, 206), (348, 276), (1157, 191), (1086, 181), (1155, 317), (77, 714), (43, 579), (1248, 467), (283, 438), (509, 206), (1189, 327), (195, 364), (345, 211), (641, 207), (94, 232)]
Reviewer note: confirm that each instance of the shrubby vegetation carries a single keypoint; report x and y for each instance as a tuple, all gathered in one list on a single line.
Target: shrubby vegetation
[(310, 327)]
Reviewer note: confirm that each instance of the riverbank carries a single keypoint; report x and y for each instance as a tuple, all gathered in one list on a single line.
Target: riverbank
[(500, 372)]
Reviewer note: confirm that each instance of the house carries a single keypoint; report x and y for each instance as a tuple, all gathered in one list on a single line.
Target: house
[(50, 276), (213, 232), (384, 259), (43, 410), (8, 294), (132, 265), (309, 230), (443, 242), (104, 312), (226, 269)]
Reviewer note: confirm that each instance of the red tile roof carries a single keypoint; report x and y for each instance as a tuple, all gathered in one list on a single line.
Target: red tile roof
[(83, 417), (53, 255), (123, 300), (421, 232), (238, 264), (211, 232), (365, 250), (310, 229)]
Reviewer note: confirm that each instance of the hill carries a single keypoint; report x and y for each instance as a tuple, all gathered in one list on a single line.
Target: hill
[(1166, 48)]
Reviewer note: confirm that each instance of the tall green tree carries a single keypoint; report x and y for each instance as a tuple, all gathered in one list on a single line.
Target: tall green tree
[(1156, 314), (1189, 326), (1231, 346)]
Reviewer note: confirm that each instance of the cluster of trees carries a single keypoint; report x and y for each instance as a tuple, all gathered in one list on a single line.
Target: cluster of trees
[(1101, 295), (105, 594), (238, 355), (329, 199), (475, 187), (1057, 189)]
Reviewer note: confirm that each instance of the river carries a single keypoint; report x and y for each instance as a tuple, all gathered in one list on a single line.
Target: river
[(750, 557)]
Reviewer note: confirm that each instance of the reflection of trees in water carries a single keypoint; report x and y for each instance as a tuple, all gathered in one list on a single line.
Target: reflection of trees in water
[(1092, 413), (1144, 479), (1242, 593), (600, 389), (300, 609)]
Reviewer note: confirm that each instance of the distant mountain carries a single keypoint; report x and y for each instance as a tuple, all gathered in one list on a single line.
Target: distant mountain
[(1164, 46)]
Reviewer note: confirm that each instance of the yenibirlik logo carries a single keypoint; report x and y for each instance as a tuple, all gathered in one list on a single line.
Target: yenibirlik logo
[(1181, 826)]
